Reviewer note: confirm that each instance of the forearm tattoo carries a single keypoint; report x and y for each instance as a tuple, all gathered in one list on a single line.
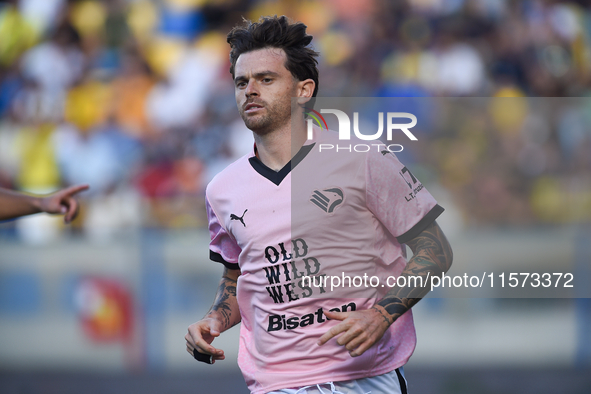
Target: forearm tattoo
[(432, 256), (224, 299)]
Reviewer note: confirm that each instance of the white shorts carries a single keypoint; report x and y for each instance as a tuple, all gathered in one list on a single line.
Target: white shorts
[(389, 383)]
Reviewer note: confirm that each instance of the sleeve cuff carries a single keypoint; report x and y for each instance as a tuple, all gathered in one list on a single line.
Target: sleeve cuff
[(219, 259), (421, 225)]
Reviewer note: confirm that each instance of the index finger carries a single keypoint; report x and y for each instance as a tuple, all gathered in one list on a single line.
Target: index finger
[(336, 330), (70, 191)]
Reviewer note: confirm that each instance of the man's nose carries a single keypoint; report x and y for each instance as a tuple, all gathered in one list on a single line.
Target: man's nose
[(251, 89)]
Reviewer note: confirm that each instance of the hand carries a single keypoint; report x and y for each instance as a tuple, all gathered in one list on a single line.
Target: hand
[(201, 335), (62, 202), (362, 329)]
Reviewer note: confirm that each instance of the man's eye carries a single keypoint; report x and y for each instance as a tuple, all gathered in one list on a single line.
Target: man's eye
[(240, 84), (267, 80)]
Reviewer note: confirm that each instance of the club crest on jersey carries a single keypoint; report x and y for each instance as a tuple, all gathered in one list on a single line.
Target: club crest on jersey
[(328, 199)]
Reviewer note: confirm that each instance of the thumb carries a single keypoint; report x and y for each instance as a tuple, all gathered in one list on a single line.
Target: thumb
[(336, 315), (214, 328)]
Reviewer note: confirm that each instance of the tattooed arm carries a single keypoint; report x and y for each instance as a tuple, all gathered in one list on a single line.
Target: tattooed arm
[(222, 315), (225, 306), (361, 329), (432, 256)]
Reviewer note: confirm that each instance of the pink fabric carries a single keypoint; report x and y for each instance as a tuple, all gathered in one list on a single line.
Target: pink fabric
[(286, 235)]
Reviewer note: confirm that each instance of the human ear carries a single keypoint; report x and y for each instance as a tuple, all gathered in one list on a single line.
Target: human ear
[(305, 89)]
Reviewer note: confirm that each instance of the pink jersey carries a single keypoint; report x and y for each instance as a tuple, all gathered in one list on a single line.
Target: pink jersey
[(326, 213)]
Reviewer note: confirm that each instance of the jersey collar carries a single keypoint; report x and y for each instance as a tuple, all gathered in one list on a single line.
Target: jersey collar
[(278, 176)]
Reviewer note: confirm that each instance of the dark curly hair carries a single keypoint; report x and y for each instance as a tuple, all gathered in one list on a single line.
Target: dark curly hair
[(277, 32)]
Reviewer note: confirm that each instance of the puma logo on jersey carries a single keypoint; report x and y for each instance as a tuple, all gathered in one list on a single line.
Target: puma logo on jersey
[(328, 199), (239, 218)]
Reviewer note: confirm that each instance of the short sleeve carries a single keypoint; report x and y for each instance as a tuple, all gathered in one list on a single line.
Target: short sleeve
[(222, 248), (397, 198)]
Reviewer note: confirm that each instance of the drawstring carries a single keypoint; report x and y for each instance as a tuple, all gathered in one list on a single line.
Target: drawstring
[(333, 389)]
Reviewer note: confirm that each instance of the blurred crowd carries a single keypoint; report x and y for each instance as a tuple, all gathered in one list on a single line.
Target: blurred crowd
[(134, 98)]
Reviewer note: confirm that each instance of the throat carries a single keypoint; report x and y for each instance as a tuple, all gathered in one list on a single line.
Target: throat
[(274, 156), (275, 150)]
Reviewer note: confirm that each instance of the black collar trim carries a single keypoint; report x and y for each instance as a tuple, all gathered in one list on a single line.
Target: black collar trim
[(278, 176)]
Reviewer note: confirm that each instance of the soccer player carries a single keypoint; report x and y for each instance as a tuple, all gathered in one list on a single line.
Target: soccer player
[(14, 204), (288, 211)]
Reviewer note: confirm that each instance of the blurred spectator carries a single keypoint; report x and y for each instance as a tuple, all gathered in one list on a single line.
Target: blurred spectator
[(54, 65), (131, 89)]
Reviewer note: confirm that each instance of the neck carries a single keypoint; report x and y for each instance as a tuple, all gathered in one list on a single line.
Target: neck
[(276, 149)]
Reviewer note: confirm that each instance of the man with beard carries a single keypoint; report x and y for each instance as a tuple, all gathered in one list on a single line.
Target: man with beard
[(297, 337)]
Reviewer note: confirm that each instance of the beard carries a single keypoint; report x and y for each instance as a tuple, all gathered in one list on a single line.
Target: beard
[(274, 116)]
